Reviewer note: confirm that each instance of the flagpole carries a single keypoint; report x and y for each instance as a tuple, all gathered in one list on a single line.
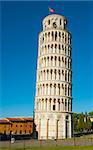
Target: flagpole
[(48, 11)]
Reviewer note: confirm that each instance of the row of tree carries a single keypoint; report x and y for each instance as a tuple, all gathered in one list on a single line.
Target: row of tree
[(82, 122)]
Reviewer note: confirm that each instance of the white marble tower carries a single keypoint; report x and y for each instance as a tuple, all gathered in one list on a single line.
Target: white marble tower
[(53, 101)]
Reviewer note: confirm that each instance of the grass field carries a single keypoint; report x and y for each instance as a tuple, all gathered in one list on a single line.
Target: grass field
[(53, 148)]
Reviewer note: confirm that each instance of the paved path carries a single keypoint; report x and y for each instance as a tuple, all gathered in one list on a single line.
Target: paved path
[(38, 143)]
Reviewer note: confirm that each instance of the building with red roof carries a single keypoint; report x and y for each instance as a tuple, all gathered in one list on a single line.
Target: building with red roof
[(16, 126)]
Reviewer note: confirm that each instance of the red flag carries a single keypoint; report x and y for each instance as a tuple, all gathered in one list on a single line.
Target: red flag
[(51, 10)]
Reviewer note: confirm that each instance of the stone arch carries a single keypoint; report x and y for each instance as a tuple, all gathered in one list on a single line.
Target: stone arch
[(56, 36), (58, 89), (68, 76), (41, 76), (65, 89), (48, 36), (47, 61), (50, 103), (65, 104), (55, 60), (55, 73), (51, 73), (55, 47), (58, 104), (65, 50), (54, 89), (43, 87), (59, 74), (47, 74), (60, 22), (65, 75), (68, 90), (65, 62), (59, 61), (62, 47), (45, 36), (59, 36), (51, 60), (52, 34), (46, 89), (54, 104), (50, 89)]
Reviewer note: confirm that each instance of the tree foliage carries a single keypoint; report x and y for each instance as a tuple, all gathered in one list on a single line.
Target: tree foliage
[(81, 122)]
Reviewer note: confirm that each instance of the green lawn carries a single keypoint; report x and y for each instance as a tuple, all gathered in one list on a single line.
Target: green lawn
[(53, 148)]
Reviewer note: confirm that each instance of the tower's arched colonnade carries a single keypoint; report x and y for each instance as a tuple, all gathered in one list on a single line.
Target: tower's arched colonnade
[(53, 101)]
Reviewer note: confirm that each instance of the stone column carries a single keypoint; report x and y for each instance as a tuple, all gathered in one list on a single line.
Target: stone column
[(48, 105), (67, 105), (56, 122), (57, 105), (48, 89), (64, 127), (56, 89), (52, 105), (39, 104), (53, 61), (50, 36), (39, 129), (57, 62), (61, 109), (44, 105), (70, 127), (46, 62), (57, 75), (47, 129)]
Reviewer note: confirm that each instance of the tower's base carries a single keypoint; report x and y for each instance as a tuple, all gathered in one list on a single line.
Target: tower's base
[(53, 125)]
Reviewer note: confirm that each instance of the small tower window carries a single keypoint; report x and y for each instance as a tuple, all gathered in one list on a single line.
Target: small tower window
[(53, 107), (48, 21), (60, 21)]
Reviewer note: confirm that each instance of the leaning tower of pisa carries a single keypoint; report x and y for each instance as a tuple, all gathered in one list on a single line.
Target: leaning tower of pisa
[(53, 101)]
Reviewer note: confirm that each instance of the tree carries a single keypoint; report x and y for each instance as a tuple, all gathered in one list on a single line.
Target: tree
[(75, 122), (88, 124), (90, 113), (81, 123)]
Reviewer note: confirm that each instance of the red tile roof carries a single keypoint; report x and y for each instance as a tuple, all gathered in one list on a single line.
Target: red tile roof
[(4, 121), (28, 119), (15, 119), (19, 119)]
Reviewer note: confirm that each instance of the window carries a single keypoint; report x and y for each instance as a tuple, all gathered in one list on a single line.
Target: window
[(20, 131), (66, 117), (60, 21), (55, 36), (54, 25), (62, 47), (29, 131), (53, 107), (48, 21)]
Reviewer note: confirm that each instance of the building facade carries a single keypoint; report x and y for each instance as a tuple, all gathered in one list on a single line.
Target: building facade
[(16, 126), (53, 101)]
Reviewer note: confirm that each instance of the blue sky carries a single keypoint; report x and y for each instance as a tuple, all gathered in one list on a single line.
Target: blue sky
[(20, 24)]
